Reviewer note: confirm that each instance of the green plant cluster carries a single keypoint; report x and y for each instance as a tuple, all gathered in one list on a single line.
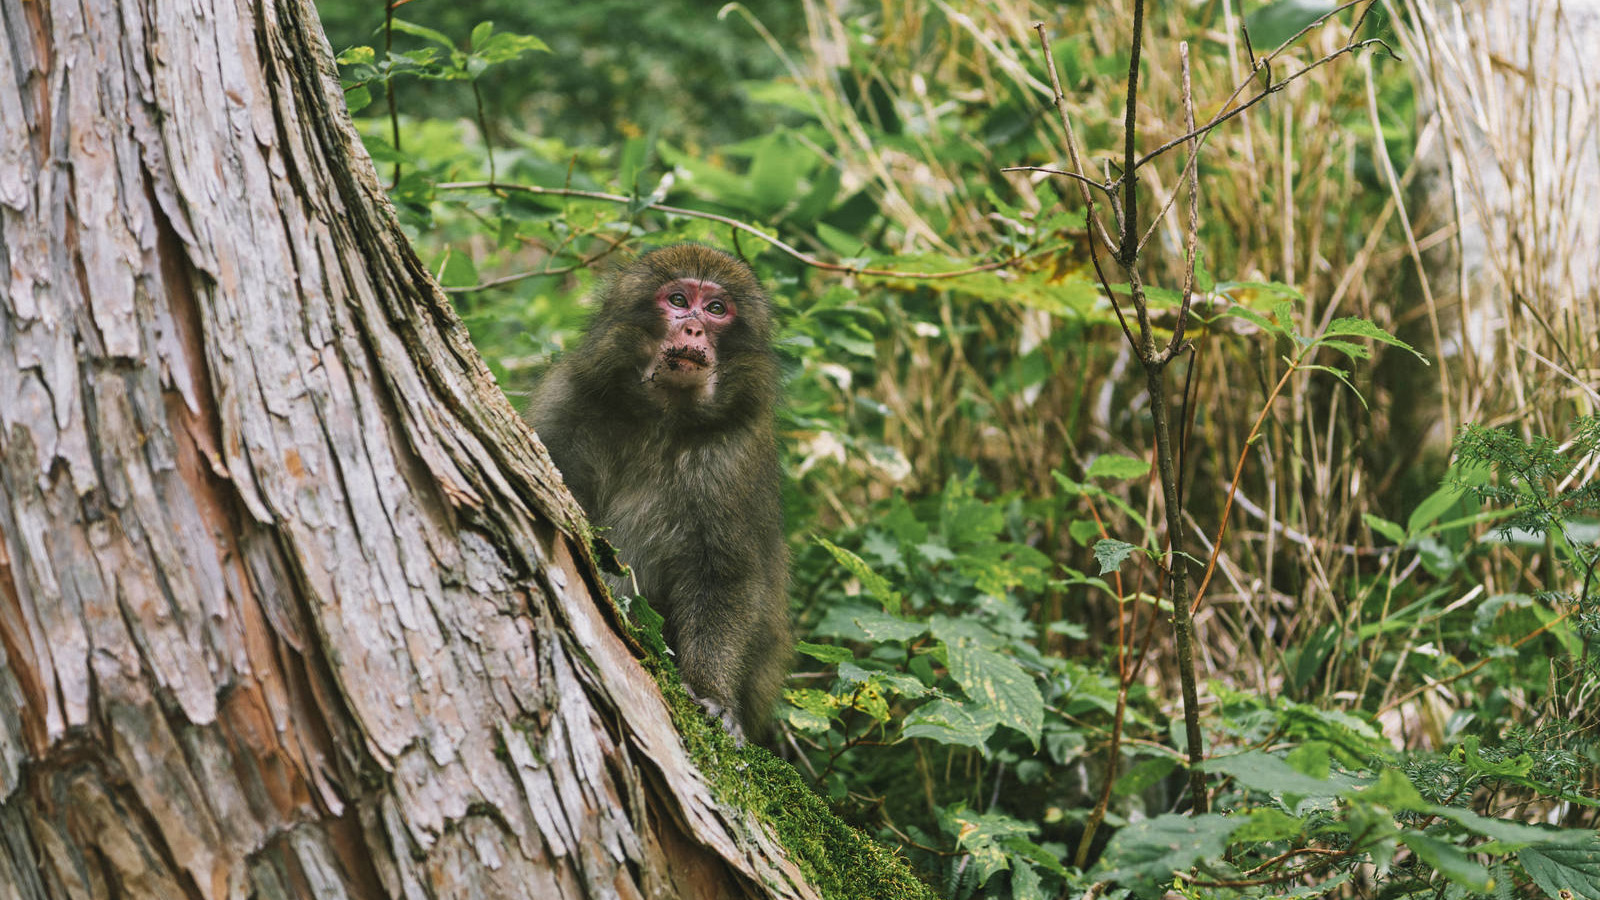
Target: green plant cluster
[(1400, 639)]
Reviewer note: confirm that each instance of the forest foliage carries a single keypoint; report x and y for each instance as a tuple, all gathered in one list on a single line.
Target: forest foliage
[(1397, 620)]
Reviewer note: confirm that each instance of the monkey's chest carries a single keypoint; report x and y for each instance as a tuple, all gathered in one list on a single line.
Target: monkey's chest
[(675, 521)]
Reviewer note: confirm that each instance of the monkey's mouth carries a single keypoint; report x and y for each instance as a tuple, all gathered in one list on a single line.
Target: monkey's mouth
[(679, 359)]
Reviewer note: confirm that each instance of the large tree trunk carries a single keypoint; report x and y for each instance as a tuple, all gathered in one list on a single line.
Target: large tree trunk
[(288, 606)]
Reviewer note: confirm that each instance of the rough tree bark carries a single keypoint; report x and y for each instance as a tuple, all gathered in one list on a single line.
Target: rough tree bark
[(286, 603)]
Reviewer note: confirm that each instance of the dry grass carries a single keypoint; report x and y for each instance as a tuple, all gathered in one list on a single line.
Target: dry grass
[(1303, 190)]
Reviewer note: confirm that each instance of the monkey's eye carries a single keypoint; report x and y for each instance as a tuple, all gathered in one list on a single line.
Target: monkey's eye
[(716, 307), (677, 299)]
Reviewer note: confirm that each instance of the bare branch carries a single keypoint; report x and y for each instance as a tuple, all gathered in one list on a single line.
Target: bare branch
[(737, 225)]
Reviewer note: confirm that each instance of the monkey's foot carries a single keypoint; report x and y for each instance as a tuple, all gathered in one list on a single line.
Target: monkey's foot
[(721, 714)]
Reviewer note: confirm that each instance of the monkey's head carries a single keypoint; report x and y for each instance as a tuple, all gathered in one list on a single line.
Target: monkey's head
[(691, 327)]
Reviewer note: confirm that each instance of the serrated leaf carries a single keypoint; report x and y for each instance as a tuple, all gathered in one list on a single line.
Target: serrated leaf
[(1026, 884), (997, 682), (1354, 351), (1558, 868), (1111, 552), (1358, 327), (949, 722), (1120, 468)]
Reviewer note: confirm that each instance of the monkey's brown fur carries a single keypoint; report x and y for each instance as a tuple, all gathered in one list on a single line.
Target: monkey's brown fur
[(661, 422)]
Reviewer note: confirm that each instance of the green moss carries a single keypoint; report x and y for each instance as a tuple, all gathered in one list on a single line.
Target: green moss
[(840, 860)]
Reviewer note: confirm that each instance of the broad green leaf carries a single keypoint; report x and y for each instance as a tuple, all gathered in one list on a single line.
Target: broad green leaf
[(1277, 22), (1264, 772), (1505, 831), (1448, 860), (458, 270), (1558, 868), (1083, 531), (997, 682), (827, 653), (881, 626), (809, 710), (1145, 854), (1026, 884), (1268, 824), (950, 722), (424, 32), (1394, 791), (1144, 774), (1120, 468), (893, 682)]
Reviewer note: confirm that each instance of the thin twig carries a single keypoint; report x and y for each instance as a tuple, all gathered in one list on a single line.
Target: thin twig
[(737, 225)]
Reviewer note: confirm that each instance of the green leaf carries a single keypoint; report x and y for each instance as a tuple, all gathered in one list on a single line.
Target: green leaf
[(881, 626), (1558, 868), (1261, 771), (1275, 23), (1354, 351), (1268, 824), (1120, 468), (422, 31), (1026, 884), (356, 56), (1144, 855), (827, 653), (1255, 318), (1144, 774), (997, 682), (873, 583), (810, 711), (1432, 507), (458, 270), (1505, 831), (1448, 860), (1385, 527), (1083, 531), (1358, 327), (1111, 552), (951, 722), (357, 99)]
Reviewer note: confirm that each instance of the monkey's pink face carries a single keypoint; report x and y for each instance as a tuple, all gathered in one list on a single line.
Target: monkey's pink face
[(696, 312)]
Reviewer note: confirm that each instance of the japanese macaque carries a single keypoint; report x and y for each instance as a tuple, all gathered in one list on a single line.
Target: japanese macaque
[(661, 422)]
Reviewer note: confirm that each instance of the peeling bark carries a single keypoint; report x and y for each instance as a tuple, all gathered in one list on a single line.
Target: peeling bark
[(288, 602)]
